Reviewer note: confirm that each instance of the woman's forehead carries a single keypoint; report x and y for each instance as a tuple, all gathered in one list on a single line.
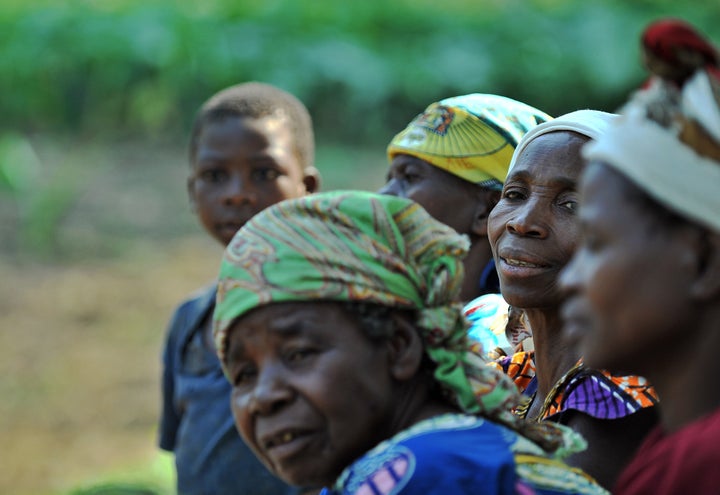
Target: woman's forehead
[(554, 153)]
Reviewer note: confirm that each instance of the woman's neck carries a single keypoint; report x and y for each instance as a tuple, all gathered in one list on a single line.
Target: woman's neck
[(684, 376), (415, 402), (553, 356)]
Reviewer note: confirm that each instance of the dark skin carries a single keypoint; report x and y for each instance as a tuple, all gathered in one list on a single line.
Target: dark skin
[(534, 230), (457, 203), (621, 328), (311, 392)]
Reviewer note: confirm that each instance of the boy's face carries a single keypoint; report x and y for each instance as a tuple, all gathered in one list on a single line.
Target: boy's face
[(241, 166), (628, 287), (311, 393)]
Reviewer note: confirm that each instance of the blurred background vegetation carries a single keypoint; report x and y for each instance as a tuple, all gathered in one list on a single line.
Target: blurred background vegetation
[(97, 243)]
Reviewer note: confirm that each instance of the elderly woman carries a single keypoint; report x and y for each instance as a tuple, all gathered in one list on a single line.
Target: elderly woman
[(534, 230), (644, 286), (337, 326)]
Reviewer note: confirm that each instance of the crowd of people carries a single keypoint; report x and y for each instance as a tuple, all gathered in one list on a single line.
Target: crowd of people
[(528, 306)]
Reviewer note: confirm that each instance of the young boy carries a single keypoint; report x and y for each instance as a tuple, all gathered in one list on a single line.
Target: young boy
[(251, 146)]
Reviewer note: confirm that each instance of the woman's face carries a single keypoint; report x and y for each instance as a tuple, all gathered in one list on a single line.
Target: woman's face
[(629, 283), (446, 197), (533, 230), (311, 393)]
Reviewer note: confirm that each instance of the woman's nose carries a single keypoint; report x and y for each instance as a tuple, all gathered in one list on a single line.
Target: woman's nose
[(392, 188), (527, 220), (271, 392)]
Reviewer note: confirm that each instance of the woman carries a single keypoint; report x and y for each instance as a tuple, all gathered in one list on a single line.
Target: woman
[(337, 326), (644, 286), (533, 232), (452, 159)]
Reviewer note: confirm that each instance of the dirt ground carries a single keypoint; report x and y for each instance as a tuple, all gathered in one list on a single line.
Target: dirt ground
[(79, 364)]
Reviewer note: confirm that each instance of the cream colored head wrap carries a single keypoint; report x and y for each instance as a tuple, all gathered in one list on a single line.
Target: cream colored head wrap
[(590, 123), (674, 155)]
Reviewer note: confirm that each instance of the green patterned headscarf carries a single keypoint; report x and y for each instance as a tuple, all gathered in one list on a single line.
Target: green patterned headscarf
[(371, 248)]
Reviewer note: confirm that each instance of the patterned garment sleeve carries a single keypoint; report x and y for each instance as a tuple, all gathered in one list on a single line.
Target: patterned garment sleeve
[(520, 367), (602, 395)]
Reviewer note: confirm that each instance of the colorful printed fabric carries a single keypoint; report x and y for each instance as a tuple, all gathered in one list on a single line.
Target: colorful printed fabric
[(371, 248), (596, 393), (488, 317), (520, 367), (675, 463), (471, 136), (457, 454)]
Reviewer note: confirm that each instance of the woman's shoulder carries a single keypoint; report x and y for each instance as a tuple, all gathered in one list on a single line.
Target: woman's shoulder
[(677, 462), (603, 395), (440, 452), (454, 450)]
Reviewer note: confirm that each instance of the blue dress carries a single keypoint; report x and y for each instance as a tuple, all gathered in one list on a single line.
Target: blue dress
[(459, 454)]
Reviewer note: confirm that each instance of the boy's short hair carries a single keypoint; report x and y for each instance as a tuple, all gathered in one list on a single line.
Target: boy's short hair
[(257, 100)]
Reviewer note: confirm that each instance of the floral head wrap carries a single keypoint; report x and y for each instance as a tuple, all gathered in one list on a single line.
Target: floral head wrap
[(471, 136), (667, 141), (366, 247)]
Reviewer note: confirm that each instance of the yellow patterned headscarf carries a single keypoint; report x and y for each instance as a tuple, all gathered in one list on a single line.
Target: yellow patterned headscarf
[(371, 248), (471, 136)]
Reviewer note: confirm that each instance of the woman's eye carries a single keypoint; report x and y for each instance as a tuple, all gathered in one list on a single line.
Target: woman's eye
[(410, 177), (243, 375), (570, 204), (512, 194), (410, 174), (297, 355)]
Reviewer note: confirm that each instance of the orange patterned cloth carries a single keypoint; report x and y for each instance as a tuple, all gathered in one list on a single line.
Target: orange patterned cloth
[(597, 393)]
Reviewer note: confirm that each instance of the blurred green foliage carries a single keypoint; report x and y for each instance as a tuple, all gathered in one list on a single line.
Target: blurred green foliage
[(364, 68), (97, 72)]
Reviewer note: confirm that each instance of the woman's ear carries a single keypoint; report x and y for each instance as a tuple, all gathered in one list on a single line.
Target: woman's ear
[(707, 284), (406, 348), (485, 203)]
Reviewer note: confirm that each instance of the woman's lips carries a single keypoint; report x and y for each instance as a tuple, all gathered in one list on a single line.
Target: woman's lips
[(514, 262), (285, 444), (522, 263), (519, 268)]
